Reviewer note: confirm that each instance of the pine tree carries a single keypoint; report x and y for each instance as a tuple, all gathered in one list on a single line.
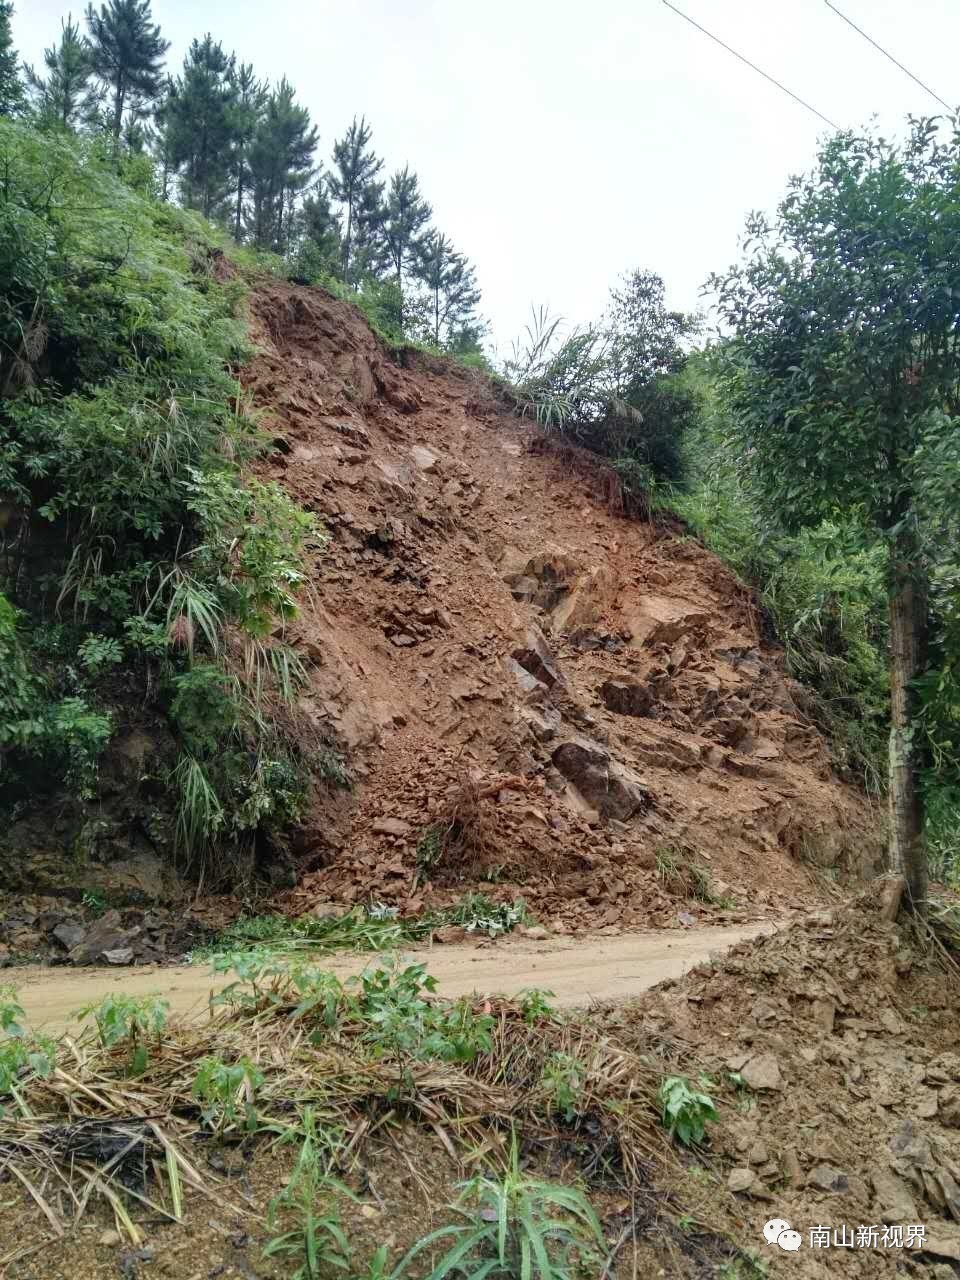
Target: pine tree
[(370, 257), (356, 168), (12, 95), (407, 215), (250, 99), (281, 164), (320, 227), (127, 51), (65, 97), (161, 144), (201, 114), (451, 281)]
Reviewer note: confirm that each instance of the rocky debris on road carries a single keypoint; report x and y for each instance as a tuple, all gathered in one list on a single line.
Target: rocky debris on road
[(58, 931), (832, 1050)]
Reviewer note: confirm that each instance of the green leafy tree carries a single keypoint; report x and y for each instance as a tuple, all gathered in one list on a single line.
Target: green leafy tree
[(200, 114), (844, 373), (451, 282), (355, 169), (645, 339), (407, 214), (127, 51), (281, 164), (249, 102), (11, 86), (64, 95)]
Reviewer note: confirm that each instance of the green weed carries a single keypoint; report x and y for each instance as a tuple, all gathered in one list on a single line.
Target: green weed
[(517, 1227), (684, 1111), (129, 1019)]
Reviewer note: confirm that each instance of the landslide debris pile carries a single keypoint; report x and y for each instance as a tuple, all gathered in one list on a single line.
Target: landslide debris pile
[(526, 687), (835, 1050)]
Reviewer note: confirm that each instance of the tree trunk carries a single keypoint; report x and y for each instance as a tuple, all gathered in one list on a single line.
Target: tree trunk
[(907, 604)]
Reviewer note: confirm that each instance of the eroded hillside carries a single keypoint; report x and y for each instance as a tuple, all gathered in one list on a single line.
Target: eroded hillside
[(526, 686)]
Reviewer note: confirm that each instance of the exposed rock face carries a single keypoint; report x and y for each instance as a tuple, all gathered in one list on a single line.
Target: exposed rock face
[(492, 651), (612, 788)]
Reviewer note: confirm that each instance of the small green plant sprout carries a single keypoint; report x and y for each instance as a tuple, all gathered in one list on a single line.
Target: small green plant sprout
[(517, 1227), (19, 1054), (94, 901), (127, 1019), (685, 1112), (227, 1091), (535, 1006), (562, 1084), (315, 1241), (11, 1013)]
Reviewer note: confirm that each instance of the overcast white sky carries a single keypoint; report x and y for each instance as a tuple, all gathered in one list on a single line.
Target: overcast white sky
[(563, 142)]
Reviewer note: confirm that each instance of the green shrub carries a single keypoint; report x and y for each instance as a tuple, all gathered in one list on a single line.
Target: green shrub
[(123, 435), (685, 1112)]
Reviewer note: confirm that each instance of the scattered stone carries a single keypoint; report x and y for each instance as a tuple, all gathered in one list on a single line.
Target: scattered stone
[(927, 1104), (894, 1201), (119, 955), (391, 827), (762, 1072), (608, 786), (69, 935), (626, 698), (537, 932), (791, 1167), (827, 1178), (949, 1106), (425, 458), (741, 1181), (402, 640), (450, 933), (824, 1014)]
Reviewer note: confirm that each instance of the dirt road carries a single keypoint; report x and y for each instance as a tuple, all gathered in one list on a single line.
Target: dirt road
[(577, 972)]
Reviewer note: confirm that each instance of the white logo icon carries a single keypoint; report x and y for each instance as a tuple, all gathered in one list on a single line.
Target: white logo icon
[(778, 1231)]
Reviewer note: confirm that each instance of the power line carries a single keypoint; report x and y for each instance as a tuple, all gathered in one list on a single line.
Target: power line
[(880, 49), (750, 64)]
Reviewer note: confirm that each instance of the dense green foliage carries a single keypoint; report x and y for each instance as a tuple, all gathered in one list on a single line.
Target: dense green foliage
[(243, 153), (843, 377), (613, 388), (132, 543)]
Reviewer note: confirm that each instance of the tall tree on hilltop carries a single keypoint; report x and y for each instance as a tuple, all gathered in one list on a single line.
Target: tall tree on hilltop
[(65, 97), (645, 339), (370, 257), (406, 216), (844, 375), (356, 167), (127, 52), (200, 113), (281, 164), (320, 226), (451, 281), (249, 103), (12, 95)]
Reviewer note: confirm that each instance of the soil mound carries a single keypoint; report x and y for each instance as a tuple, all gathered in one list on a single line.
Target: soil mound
[(528, 690), (833, 1047)]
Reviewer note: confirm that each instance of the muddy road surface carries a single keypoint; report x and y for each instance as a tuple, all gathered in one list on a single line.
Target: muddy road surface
[(577, 972)]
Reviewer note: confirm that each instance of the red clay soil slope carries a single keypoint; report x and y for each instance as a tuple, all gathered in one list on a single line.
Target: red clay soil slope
[(532, 693)]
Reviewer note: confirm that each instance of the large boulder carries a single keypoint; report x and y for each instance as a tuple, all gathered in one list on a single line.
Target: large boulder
[(610, 787)]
